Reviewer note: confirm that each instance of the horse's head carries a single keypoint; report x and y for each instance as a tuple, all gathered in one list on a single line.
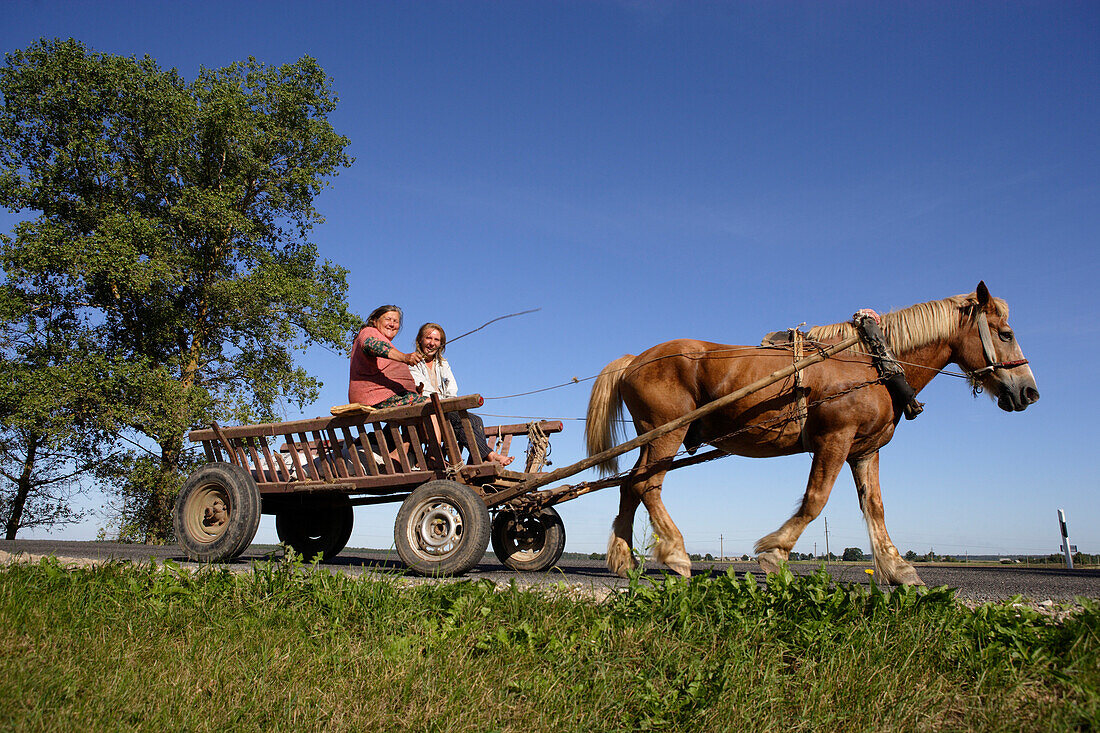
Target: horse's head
[(988, 352)]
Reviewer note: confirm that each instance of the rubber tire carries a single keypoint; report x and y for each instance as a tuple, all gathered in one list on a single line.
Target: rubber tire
[(458, 510), (316, 528), (202, 540), (547, 541)]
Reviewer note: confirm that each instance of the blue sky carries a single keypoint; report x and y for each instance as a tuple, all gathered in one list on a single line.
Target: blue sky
[(643, 171)]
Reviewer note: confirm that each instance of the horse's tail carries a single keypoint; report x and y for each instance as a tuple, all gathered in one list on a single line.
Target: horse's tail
[(604, 428)]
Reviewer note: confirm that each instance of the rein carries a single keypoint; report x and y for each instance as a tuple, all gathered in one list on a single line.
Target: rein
[(990, 352)]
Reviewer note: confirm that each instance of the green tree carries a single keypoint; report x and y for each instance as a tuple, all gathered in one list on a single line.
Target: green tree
[(181, 211), (55, 406), (910, 556), (852, 554)]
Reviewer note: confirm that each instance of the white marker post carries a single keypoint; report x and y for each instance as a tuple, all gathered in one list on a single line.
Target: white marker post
[(1065, 539)]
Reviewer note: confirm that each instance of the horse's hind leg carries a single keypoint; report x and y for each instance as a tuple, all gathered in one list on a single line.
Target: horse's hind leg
[(890, 566), (670, 548), (619, 557), (644, 484), (776, 547)]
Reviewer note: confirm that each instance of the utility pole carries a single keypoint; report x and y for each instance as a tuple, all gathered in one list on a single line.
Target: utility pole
[(826, 538), (721, 548), (815, 550)]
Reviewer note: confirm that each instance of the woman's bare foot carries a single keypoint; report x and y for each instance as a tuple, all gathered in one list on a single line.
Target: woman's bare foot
[(502, 460)]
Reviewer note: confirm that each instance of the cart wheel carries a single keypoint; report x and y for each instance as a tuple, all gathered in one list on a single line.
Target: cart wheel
[(528, 541), (442, 528), (217, 513), (316, 528)]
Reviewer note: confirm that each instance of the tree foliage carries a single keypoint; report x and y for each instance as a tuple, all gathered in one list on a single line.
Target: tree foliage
[(180, 211), (852, 554)]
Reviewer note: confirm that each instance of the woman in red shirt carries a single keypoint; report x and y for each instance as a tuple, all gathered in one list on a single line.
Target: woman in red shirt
[(379, 372)]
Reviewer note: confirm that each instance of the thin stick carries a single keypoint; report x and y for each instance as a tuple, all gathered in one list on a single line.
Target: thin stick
[(501, 318)]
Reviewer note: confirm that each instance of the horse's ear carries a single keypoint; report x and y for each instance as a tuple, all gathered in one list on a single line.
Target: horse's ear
[(984, 298)]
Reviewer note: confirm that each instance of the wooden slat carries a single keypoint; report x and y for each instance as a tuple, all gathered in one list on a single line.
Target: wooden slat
[(471, 444), (353, 452), (295, 458), (322, 457), (387, 462), (414, 440), (311, 464), (364, 440), (241, 452), (507, 445), (448, 434), (338, 454), (208, 449), (435, 450), (224, 440), (278, 470), (403, 459), (258, 471)]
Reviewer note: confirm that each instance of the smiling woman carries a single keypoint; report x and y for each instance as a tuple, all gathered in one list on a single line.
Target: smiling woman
[(380, 374)]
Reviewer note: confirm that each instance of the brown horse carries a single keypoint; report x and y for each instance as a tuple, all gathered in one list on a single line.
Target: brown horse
[(849, 415)]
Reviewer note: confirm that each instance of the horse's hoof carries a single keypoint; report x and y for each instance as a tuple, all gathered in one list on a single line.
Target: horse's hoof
[(905, 576), (770, 561), (681, 566)]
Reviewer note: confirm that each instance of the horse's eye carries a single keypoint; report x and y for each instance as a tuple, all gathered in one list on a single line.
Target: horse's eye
[(1006, 335)]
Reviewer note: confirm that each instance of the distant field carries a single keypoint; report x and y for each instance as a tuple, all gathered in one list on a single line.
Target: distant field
[(285, 647)]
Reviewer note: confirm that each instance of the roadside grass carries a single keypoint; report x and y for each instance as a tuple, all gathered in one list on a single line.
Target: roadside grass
[(290, 647)]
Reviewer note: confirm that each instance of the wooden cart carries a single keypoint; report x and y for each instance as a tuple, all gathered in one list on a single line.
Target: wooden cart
[(326, 466)]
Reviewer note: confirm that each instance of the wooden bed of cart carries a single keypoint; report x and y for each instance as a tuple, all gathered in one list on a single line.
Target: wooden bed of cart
[(450, 510)]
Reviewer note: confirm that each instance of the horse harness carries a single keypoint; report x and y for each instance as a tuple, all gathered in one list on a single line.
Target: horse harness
[(886, 364), (890, 373), (989, 352)]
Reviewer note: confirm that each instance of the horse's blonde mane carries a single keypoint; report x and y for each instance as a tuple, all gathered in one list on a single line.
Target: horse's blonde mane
[(916, 326)]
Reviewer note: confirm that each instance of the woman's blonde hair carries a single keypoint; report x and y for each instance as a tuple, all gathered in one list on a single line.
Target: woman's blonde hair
[(442, 337)]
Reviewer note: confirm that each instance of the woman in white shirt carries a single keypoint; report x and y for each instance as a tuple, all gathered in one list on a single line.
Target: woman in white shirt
[(435, 375)]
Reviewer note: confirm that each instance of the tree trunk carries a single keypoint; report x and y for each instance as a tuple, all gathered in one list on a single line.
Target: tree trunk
[(23, 490), (163, 494)]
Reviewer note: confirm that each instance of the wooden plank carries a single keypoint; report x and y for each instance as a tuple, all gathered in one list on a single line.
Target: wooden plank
[(395, 433), (447, 433), (208, 449), (364, 440), (548, 426), (435, 449), (353, 452), (258, 471), (295, 458), (366, 484), (322, 457), (311, 463), (278, 470), (408, 412), (242, 454), (471, 441), (224, 440), (507, 445), (383, 450), (418, 451), (337, 454)]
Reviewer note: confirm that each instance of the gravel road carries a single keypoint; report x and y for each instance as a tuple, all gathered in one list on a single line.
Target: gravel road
[(974, 583)]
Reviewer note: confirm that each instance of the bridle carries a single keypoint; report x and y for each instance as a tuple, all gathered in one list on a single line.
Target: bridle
[(990, 352)]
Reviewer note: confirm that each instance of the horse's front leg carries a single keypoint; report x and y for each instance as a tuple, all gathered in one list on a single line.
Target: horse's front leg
[(776, 547), (889, 565)]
